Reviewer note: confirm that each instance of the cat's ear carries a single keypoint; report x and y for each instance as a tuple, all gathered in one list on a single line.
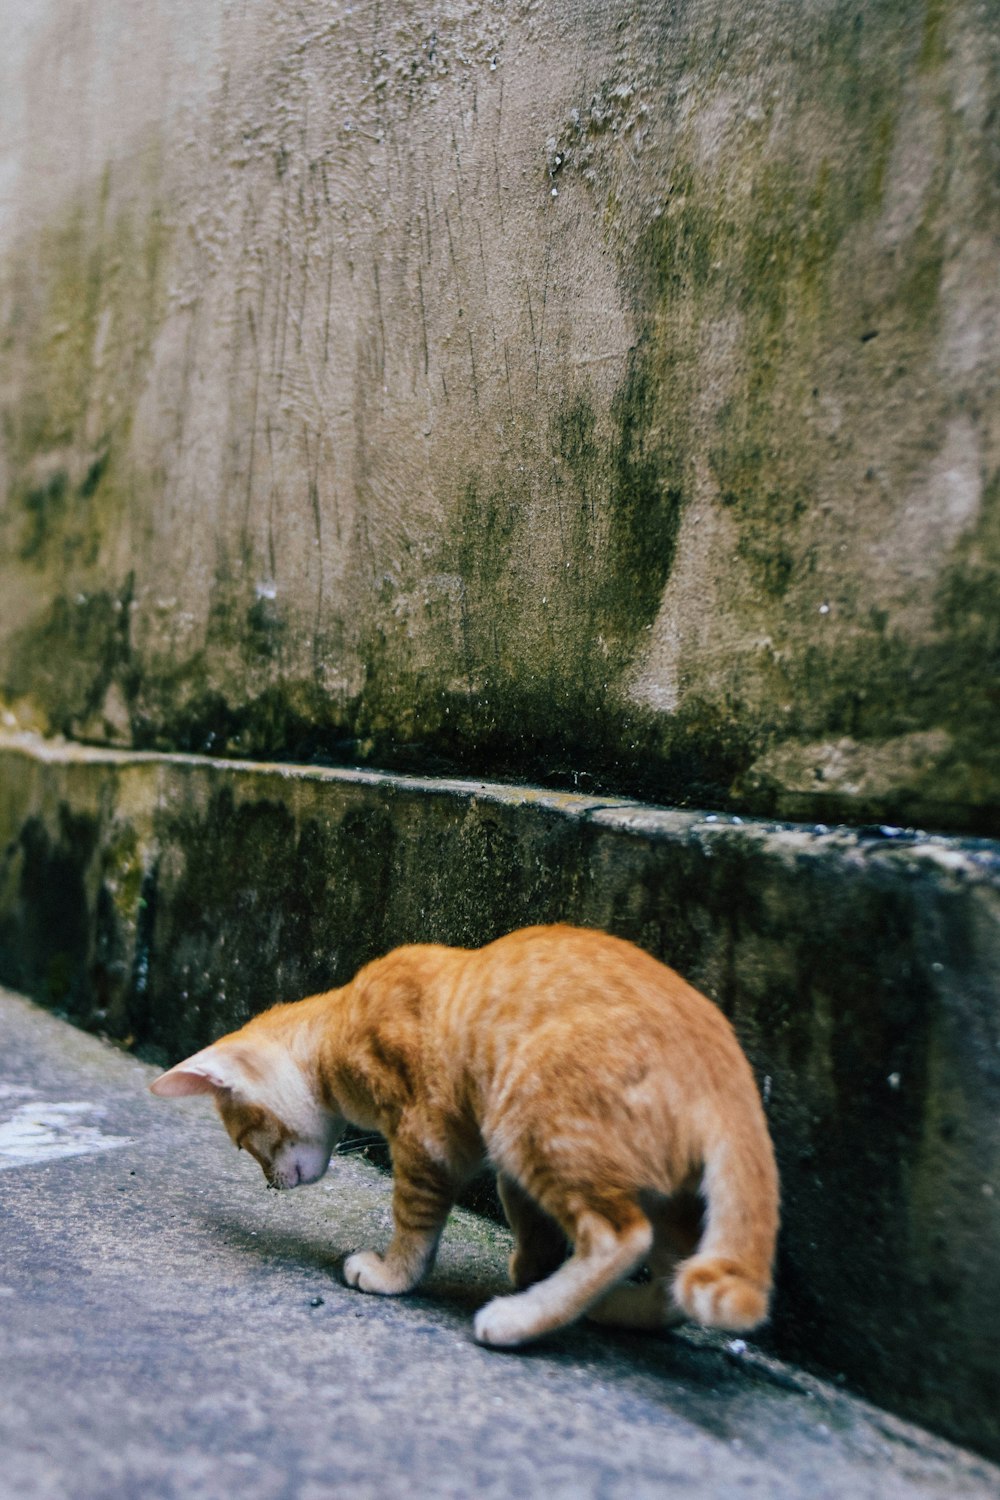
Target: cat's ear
[(210, 1071)]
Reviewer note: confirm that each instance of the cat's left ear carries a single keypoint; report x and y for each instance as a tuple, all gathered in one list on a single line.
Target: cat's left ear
[(207, 1072)]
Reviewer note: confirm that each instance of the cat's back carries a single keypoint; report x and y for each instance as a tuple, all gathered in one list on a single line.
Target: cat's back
[(559, 1025), (545, 973), (543, 996)]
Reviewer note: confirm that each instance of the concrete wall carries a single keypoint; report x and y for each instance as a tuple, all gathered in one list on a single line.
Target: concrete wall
[(600, 392), (165, 899)]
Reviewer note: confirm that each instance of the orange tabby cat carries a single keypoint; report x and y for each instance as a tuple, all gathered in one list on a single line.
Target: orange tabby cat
[(612, 1099)]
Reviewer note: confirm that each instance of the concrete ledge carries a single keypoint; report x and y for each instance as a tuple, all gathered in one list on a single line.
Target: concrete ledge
[(164, 898)]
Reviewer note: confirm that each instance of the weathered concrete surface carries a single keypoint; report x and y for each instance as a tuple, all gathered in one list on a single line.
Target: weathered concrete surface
[(164, 899), (604, 390), (604, 393), (160, 1339)]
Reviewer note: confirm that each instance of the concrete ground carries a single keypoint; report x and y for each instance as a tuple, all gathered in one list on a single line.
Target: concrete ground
[(169, 1328)]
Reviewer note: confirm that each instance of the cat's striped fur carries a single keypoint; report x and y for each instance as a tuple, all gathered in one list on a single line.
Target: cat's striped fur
[(613, 1100)]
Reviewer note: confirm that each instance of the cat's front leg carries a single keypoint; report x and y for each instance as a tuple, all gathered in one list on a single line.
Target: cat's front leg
[(369, 1272), (422, 1197)]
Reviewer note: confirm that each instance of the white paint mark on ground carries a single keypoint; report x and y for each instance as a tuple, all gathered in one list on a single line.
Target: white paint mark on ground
[(42, 1131)]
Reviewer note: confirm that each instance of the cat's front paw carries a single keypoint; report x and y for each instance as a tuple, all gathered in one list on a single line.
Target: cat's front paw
[(367, 1271)]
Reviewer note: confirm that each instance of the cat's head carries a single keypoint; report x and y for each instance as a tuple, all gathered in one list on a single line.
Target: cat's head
[(266, 1104)]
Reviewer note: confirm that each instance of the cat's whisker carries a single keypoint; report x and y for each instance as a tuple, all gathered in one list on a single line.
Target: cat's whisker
[(358, 1143)]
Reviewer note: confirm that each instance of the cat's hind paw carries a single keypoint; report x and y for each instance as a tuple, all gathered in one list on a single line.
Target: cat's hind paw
[(506, 1322), (719, 1294), (367, 1271)]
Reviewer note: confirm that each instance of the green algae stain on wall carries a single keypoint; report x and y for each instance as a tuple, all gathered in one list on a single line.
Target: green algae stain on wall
[(88, 297), (812, 250), (70, 657), (646, 500), (537, 637), (549, 628), (85, 300)]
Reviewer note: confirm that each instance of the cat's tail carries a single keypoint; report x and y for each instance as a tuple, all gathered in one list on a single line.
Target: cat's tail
[(727, 1283)]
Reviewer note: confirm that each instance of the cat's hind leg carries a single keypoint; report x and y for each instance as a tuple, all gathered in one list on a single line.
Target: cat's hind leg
[(610, 1239), (540, 1246), (651, 1304)]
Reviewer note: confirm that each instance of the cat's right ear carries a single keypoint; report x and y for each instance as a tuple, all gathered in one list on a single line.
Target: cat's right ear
[(204, 1073)]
